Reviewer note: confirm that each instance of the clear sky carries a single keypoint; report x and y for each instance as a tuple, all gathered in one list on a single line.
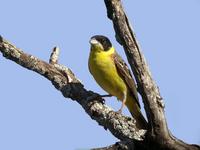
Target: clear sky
[(34, 115)]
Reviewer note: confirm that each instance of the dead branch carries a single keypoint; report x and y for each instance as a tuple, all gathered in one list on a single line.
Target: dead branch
[(64, 80), (158, 134)]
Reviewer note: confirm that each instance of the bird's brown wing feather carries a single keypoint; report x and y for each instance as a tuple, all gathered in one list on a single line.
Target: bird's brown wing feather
[(125, 74)]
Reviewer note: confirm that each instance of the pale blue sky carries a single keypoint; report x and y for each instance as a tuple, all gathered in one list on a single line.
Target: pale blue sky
[(36, 116)]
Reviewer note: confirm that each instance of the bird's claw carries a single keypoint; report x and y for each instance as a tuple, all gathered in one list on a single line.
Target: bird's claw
[(119, 111), (96, 97), (107, 95)]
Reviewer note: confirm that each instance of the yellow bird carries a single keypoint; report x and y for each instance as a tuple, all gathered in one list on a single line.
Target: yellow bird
[(112, 74)]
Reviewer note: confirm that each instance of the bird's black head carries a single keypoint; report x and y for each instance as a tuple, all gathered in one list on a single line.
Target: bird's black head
[(104, 41)]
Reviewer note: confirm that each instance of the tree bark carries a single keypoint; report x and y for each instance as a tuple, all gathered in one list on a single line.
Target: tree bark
[(124, 128), (158, 135)]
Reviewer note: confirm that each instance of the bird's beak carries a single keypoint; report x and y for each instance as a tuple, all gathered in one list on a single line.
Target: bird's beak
[(93, 41)]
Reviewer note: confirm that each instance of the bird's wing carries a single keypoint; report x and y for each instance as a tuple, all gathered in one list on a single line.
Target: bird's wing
[(125, 74)]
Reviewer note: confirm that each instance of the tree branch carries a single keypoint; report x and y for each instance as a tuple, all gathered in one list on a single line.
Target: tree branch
[(158, 136), (122, 127), (124, 145), (54, 56), (158, 133), (116, 146)]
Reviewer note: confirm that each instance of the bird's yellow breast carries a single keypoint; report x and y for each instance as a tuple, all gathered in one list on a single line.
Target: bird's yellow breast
[(104, 71)]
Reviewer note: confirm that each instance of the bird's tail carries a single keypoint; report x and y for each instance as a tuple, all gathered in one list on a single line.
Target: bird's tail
[(135, 111)]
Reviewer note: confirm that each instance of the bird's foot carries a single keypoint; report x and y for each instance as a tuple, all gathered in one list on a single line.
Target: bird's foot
[(119, 111), (106, 95), (98, 98), (121, 108)]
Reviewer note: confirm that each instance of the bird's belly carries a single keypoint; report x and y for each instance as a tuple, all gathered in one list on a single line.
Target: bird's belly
[(105, 74)]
